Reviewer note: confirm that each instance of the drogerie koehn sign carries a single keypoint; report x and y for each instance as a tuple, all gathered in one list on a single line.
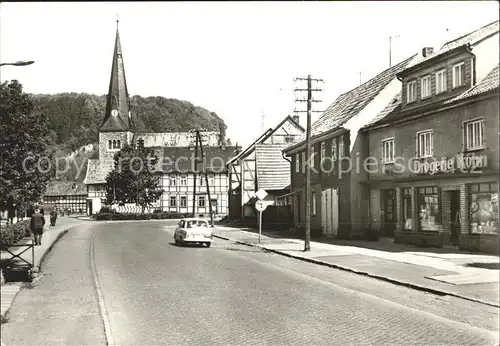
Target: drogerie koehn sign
[(460, 162)]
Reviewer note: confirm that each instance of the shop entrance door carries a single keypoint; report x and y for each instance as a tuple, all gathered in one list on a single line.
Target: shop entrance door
[(389, 212), (455, 217)]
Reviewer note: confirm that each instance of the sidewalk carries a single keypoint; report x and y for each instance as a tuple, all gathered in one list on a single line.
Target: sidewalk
[(439, 271), (50, 236)]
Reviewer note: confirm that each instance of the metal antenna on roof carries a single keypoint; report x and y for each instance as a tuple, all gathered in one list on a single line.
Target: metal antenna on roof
[(390, 49)]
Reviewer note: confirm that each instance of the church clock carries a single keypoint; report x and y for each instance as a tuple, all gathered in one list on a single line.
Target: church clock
[(114, 112)]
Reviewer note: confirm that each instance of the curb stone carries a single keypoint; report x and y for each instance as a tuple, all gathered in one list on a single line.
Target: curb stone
[(382, 278), (58, 237)]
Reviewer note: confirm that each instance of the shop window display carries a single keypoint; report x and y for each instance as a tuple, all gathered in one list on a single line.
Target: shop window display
[(483, 208), (429, 209)]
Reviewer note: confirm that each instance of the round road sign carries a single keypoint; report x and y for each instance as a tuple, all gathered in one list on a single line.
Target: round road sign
[(260, 205)]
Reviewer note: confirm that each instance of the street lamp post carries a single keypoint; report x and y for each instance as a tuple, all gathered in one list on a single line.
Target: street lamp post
[(17, 63)]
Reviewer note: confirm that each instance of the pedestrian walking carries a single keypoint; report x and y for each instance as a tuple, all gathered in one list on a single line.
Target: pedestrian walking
[(36, 225), (53, 217)]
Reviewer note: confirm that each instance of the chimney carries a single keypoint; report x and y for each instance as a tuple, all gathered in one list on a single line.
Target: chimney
[(296, 118), (426, 51)]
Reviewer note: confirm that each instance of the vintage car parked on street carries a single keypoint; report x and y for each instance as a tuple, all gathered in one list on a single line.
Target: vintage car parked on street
[(193, 231)]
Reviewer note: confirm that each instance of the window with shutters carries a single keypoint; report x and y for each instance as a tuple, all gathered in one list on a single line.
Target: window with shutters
[(297, 163), (411, 92), (440, 81), (425, 87), (424, 144), (388, 150), (341, 147), (473, 136), (323, 152), (458, 75)]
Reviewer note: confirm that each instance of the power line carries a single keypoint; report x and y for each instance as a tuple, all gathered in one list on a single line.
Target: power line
[(309, 100)]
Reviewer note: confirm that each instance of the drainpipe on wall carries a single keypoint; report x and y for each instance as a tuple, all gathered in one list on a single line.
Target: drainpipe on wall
[(473, 67)]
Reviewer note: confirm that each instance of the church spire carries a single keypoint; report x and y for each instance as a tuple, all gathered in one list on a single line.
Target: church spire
[(117, 116)]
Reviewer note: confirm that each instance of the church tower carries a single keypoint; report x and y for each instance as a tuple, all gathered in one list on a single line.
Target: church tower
[(117, 127)]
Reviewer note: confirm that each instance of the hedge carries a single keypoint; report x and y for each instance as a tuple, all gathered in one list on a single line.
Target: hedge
[(131, 216), (12, 234)]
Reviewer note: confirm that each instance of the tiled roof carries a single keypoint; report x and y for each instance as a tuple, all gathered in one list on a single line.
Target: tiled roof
[(65, 188), (117, 97), (97, 171), (470, 38), (351, 103), (391, 106), (489, 82), (273, 171), (175, 139), (175, 159), (265, 136), (179, 159), (391, 111)]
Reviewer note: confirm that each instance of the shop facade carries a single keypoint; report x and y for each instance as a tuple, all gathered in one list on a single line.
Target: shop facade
[(435, 177)]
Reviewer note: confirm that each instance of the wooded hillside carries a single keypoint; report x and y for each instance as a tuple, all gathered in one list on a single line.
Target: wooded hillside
[(75, 118)]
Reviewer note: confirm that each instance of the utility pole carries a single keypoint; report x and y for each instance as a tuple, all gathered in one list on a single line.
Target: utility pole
[(206, 179), (195, 171), (199, 157), (309, 100)]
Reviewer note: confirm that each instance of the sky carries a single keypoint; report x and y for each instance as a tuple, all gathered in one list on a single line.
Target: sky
[(238, 59)]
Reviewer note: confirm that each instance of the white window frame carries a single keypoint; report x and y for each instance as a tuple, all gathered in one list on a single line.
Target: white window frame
[(422, 153), (183, 199), (480, 143), (173, 178), (202, 198), (183, 180), (172, 198), (297, 163), (386, 143), (441, 72), (408, 92), (323, 151), (429, 87), (341, 147), (462, 75)]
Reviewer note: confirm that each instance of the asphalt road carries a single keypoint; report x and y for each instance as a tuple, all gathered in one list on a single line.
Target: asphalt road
[(156, 293)]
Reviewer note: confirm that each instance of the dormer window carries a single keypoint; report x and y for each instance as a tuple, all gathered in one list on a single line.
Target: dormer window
[(411, 91), (425, 86), (440, 81), (458, 75)]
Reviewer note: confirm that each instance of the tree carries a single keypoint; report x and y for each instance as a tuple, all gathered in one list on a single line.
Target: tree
[(132, 179), (26, 165)]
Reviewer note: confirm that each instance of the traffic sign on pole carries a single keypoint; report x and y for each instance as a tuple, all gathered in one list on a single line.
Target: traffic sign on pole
[(261, 194), (260, 206)]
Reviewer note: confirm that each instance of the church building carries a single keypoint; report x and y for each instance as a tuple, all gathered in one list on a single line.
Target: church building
[(178, 182)]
